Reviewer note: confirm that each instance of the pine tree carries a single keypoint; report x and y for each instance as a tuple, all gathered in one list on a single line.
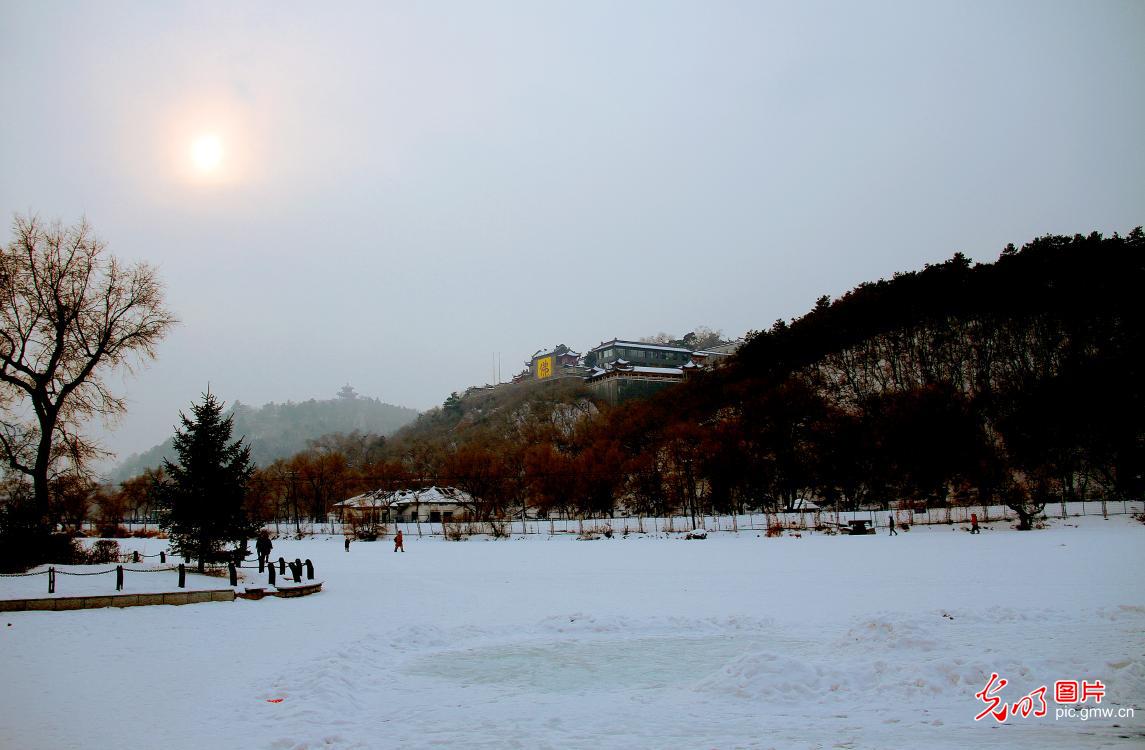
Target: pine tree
[(452, 405), (203, 495)]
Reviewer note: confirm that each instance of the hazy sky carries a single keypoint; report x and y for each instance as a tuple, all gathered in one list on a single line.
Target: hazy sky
[(404, 189)]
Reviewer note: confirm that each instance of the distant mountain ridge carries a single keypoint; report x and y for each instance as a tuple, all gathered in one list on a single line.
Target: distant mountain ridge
[(281, 430)]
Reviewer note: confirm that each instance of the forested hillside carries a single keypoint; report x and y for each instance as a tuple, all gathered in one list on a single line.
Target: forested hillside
[(1016, 381), (277, 431)]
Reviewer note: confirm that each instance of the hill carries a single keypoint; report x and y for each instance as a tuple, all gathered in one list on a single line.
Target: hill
[(1013, 382), (281, 430)]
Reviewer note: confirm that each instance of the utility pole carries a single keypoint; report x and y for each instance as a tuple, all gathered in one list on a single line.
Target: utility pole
[(294, 503)]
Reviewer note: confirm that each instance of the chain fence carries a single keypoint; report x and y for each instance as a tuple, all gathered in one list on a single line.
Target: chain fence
[(298, 570)]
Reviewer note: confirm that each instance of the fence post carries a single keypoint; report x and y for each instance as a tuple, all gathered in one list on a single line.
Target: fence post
[(135, 556), (119, 578), (281, 566), (271, 579), (309, 570), (51, 580), (182, 576), (233, 573), (297, 568), (162, 557)]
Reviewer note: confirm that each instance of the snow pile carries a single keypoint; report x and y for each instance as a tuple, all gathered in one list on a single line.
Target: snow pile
[(768, 676)]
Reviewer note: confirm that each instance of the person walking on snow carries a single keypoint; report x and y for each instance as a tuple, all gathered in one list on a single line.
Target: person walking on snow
[(891, 524), (974, 524), (398, 542), (263, 547)]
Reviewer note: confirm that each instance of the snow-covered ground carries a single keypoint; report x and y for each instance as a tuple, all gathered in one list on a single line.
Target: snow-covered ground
[(732, 641)]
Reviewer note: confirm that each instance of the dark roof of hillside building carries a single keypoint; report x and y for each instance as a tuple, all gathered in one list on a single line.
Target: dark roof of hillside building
[(639, 345)]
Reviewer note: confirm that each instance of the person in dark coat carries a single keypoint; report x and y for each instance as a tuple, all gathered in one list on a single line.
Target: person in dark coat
[(891, 525), (263, 547)]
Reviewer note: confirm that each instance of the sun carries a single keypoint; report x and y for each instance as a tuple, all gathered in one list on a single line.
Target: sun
[(207, 152)]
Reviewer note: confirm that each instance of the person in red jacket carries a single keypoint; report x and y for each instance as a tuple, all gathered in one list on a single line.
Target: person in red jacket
[(398, 542), (974, 524)]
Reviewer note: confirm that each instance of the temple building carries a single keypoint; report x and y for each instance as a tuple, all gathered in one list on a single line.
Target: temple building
[(634, 369), (560, 362)]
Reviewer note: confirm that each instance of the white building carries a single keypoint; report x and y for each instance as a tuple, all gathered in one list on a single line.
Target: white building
[(427, 505)]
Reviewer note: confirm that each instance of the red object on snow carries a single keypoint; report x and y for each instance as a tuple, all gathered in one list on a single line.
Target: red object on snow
[(274, 700)]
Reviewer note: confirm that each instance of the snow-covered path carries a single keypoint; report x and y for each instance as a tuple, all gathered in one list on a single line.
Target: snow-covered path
[(734, 641)]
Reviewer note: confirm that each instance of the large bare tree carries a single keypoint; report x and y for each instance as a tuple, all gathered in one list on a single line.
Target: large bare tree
[(70, 314)]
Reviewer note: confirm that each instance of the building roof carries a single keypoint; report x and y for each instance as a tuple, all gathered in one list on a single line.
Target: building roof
[(640, 345), (551, 353), (401, 498), (596, 373), (730, 347)]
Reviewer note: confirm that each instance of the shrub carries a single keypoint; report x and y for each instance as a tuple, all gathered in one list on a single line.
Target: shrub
[(104, 551), (112, 530), (22, 551)]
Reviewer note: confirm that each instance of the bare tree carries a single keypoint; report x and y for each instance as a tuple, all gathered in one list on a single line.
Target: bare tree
[(70, 313)]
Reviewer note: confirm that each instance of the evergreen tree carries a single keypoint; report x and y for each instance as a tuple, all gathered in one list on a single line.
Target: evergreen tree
[(452, 405), (203, 495)]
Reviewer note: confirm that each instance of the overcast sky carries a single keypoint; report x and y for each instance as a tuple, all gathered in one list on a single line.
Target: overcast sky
[(395, 192)]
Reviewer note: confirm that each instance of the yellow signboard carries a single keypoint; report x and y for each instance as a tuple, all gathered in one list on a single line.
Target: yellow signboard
[(544, 368)]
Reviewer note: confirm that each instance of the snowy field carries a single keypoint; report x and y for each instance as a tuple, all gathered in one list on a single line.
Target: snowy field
[(733, 641)]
